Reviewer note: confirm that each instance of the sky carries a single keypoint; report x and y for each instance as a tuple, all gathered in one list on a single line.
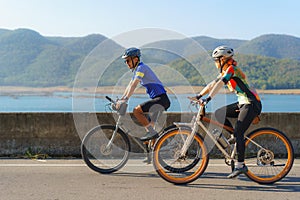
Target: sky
[(230, 19)]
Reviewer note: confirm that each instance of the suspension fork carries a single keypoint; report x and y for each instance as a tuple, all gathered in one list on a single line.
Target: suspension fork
[(114, 133), (190, 137)]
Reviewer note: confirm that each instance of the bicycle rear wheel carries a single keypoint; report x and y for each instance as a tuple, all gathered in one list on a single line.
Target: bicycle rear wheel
[(269, 155), (99, 155), (168, 163)]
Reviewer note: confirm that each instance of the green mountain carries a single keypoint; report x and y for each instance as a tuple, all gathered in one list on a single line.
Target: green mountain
[(30, 59), (262, 72), (277, 46), (211, 43)]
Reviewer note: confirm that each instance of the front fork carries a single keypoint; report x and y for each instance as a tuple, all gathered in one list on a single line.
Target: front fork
[(187, 144), (110, 142), (190, 137)]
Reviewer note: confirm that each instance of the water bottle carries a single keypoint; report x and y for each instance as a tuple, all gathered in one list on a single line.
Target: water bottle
[(220, 138)]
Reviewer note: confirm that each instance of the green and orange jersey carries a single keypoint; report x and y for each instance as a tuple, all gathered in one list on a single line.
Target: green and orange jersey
[(236, 81)]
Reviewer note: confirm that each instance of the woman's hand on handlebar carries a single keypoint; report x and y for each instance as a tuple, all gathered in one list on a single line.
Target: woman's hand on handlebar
[(205, 101), (195, 100), (199, 101)]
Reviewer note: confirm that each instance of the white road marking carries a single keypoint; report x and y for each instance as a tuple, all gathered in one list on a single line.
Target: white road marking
[(84, 165)]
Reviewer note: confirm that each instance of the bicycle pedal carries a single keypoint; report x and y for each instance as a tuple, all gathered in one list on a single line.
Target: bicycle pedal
[(147, 160), (146, 142), (232, 140)]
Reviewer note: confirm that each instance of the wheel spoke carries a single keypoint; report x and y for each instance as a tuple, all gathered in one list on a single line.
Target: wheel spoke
[(168, 161), (272, 162), (102, 157)]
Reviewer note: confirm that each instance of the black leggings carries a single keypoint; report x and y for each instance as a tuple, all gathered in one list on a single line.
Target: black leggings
[(245, 114)]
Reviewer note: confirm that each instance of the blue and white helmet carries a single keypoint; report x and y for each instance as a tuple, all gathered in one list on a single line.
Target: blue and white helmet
[(131, 52)]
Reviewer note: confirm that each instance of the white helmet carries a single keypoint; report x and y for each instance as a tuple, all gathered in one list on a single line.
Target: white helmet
[(222, 51)]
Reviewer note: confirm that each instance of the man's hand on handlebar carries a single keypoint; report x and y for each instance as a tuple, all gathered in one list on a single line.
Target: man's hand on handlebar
[(120, 102)]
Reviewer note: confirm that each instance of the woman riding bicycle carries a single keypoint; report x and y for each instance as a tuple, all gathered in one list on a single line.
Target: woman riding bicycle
[(245, 110), (146, 77)]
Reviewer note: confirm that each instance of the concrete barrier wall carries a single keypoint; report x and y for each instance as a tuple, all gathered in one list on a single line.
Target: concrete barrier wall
[(56, 134)]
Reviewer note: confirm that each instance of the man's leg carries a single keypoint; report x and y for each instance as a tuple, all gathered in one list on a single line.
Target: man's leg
[(139, 114), (151, 105)]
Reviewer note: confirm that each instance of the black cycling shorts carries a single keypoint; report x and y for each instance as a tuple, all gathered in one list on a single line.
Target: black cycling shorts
[(162, 100)]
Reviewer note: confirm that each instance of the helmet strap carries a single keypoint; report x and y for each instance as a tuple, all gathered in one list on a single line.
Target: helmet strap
[(221, 65), (225, 62), (137, 63)]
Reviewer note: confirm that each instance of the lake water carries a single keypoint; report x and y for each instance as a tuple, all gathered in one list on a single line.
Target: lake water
[(65, 102)]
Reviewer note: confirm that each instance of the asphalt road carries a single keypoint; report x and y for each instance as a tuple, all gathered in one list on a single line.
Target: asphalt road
[(72, 179)]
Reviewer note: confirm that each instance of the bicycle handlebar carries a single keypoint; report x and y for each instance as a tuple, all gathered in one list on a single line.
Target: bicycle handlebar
[(196, 101), (201, 104), (121, 108), (109, 99)]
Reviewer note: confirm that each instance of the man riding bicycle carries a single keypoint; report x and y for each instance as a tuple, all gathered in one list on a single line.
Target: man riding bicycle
[(146, 77), (245, 110)]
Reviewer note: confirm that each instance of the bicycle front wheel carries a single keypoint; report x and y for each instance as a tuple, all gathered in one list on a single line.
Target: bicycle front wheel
[(173, 167), (269, 155), (102, 153)]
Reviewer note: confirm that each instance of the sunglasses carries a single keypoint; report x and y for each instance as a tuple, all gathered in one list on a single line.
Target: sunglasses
[(127, 61), (217, 59)]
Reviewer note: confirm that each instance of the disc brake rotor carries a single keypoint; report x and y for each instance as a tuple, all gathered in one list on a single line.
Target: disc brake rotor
[(265, 156)]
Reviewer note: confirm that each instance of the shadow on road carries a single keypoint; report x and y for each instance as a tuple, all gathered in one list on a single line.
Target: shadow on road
[(288, 184), (128, 174)]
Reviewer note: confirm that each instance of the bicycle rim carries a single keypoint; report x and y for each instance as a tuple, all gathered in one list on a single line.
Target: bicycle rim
[(166, 157), (103, 158), (271, 163)]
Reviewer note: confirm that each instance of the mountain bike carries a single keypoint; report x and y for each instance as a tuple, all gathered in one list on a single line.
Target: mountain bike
[(181, 155), (106, 148)]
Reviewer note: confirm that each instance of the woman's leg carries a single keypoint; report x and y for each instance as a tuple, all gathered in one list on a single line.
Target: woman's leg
[(222, 113), (245, 118)]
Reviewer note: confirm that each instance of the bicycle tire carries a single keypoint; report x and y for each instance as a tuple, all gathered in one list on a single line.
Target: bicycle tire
[(98, 157), (180, 169), (165, 154), (271, 163)]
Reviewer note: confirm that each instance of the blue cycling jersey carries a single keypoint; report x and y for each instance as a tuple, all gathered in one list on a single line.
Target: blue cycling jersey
[(149, 80)]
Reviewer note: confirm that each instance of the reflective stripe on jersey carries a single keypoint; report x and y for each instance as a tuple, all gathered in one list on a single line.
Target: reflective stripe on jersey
[(139, 75)]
